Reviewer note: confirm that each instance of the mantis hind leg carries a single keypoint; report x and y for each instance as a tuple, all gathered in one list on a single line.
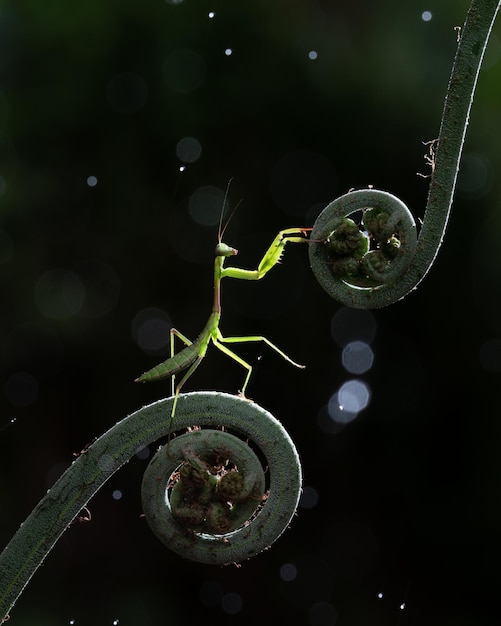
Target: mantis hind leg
[(236, 358), (177, 390), (251, 338), (175, 333)]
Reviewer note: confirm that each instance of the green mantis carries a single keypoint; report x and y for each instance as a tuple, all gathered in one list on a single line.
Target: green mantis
[(190, 357)]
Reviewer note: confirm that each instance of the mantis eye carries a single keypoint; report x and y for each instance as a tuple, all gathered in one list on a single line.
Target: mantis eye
[(223, 250)]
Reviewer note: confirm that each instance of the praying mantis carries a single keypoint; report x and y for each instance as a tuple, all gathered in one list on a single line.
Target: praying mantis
[(190, 357)]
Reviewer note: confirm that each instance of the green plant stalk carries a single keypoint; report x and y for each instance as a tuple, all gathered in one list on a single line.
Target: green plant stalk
[(474, 36), (95, 465)]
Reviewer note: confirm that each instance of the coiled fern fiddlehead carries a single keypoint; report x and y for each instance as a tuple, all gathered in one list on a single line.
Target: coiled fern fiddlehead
[(383, 260), (202, 471)]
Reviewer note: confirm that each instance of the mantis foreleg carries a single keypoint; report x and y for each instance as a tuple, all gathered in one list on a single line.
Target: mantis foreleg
[(271, 257)]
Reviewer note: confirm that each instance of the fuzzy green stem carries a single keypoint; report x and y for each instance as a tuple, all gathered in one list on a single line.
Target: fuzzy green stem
[(88, 473), (473, 40)]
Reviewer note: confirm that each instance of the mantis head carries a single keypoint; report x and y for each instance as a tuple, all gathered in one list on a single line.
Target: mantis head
[(224, 250)]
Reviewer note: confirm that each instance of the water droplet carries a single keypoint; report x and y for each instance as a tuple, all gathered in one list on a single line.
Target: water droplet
[(9, 423), (426, 16), (228, 52), (91, 181)]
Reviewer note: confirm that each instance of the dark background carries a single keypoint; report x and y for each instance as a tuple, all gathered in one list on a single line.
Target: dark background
[(404, 500)]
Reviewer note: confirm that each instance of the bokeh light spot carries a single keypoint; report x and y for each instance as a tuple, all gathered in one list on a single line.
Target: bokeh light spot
[(312, 55), (126, 92), (426, 16), (151, 330), (188, 149), (354, 396), (322, 614), (91, 181), (309, 498), (288, 572), (117, 494), (212, 15), (231, 603), (490, 355), (21, 389), (206, 204), (59, 294), (326, 421), (338, 413), (474, 178), (228, 52), (105, 462), (357, 357), (143, 453), (184, 70)]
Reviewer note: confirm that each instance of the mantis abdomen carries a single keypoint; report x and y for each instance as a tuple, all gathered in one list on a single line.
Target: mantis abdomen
[(176, 363)]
